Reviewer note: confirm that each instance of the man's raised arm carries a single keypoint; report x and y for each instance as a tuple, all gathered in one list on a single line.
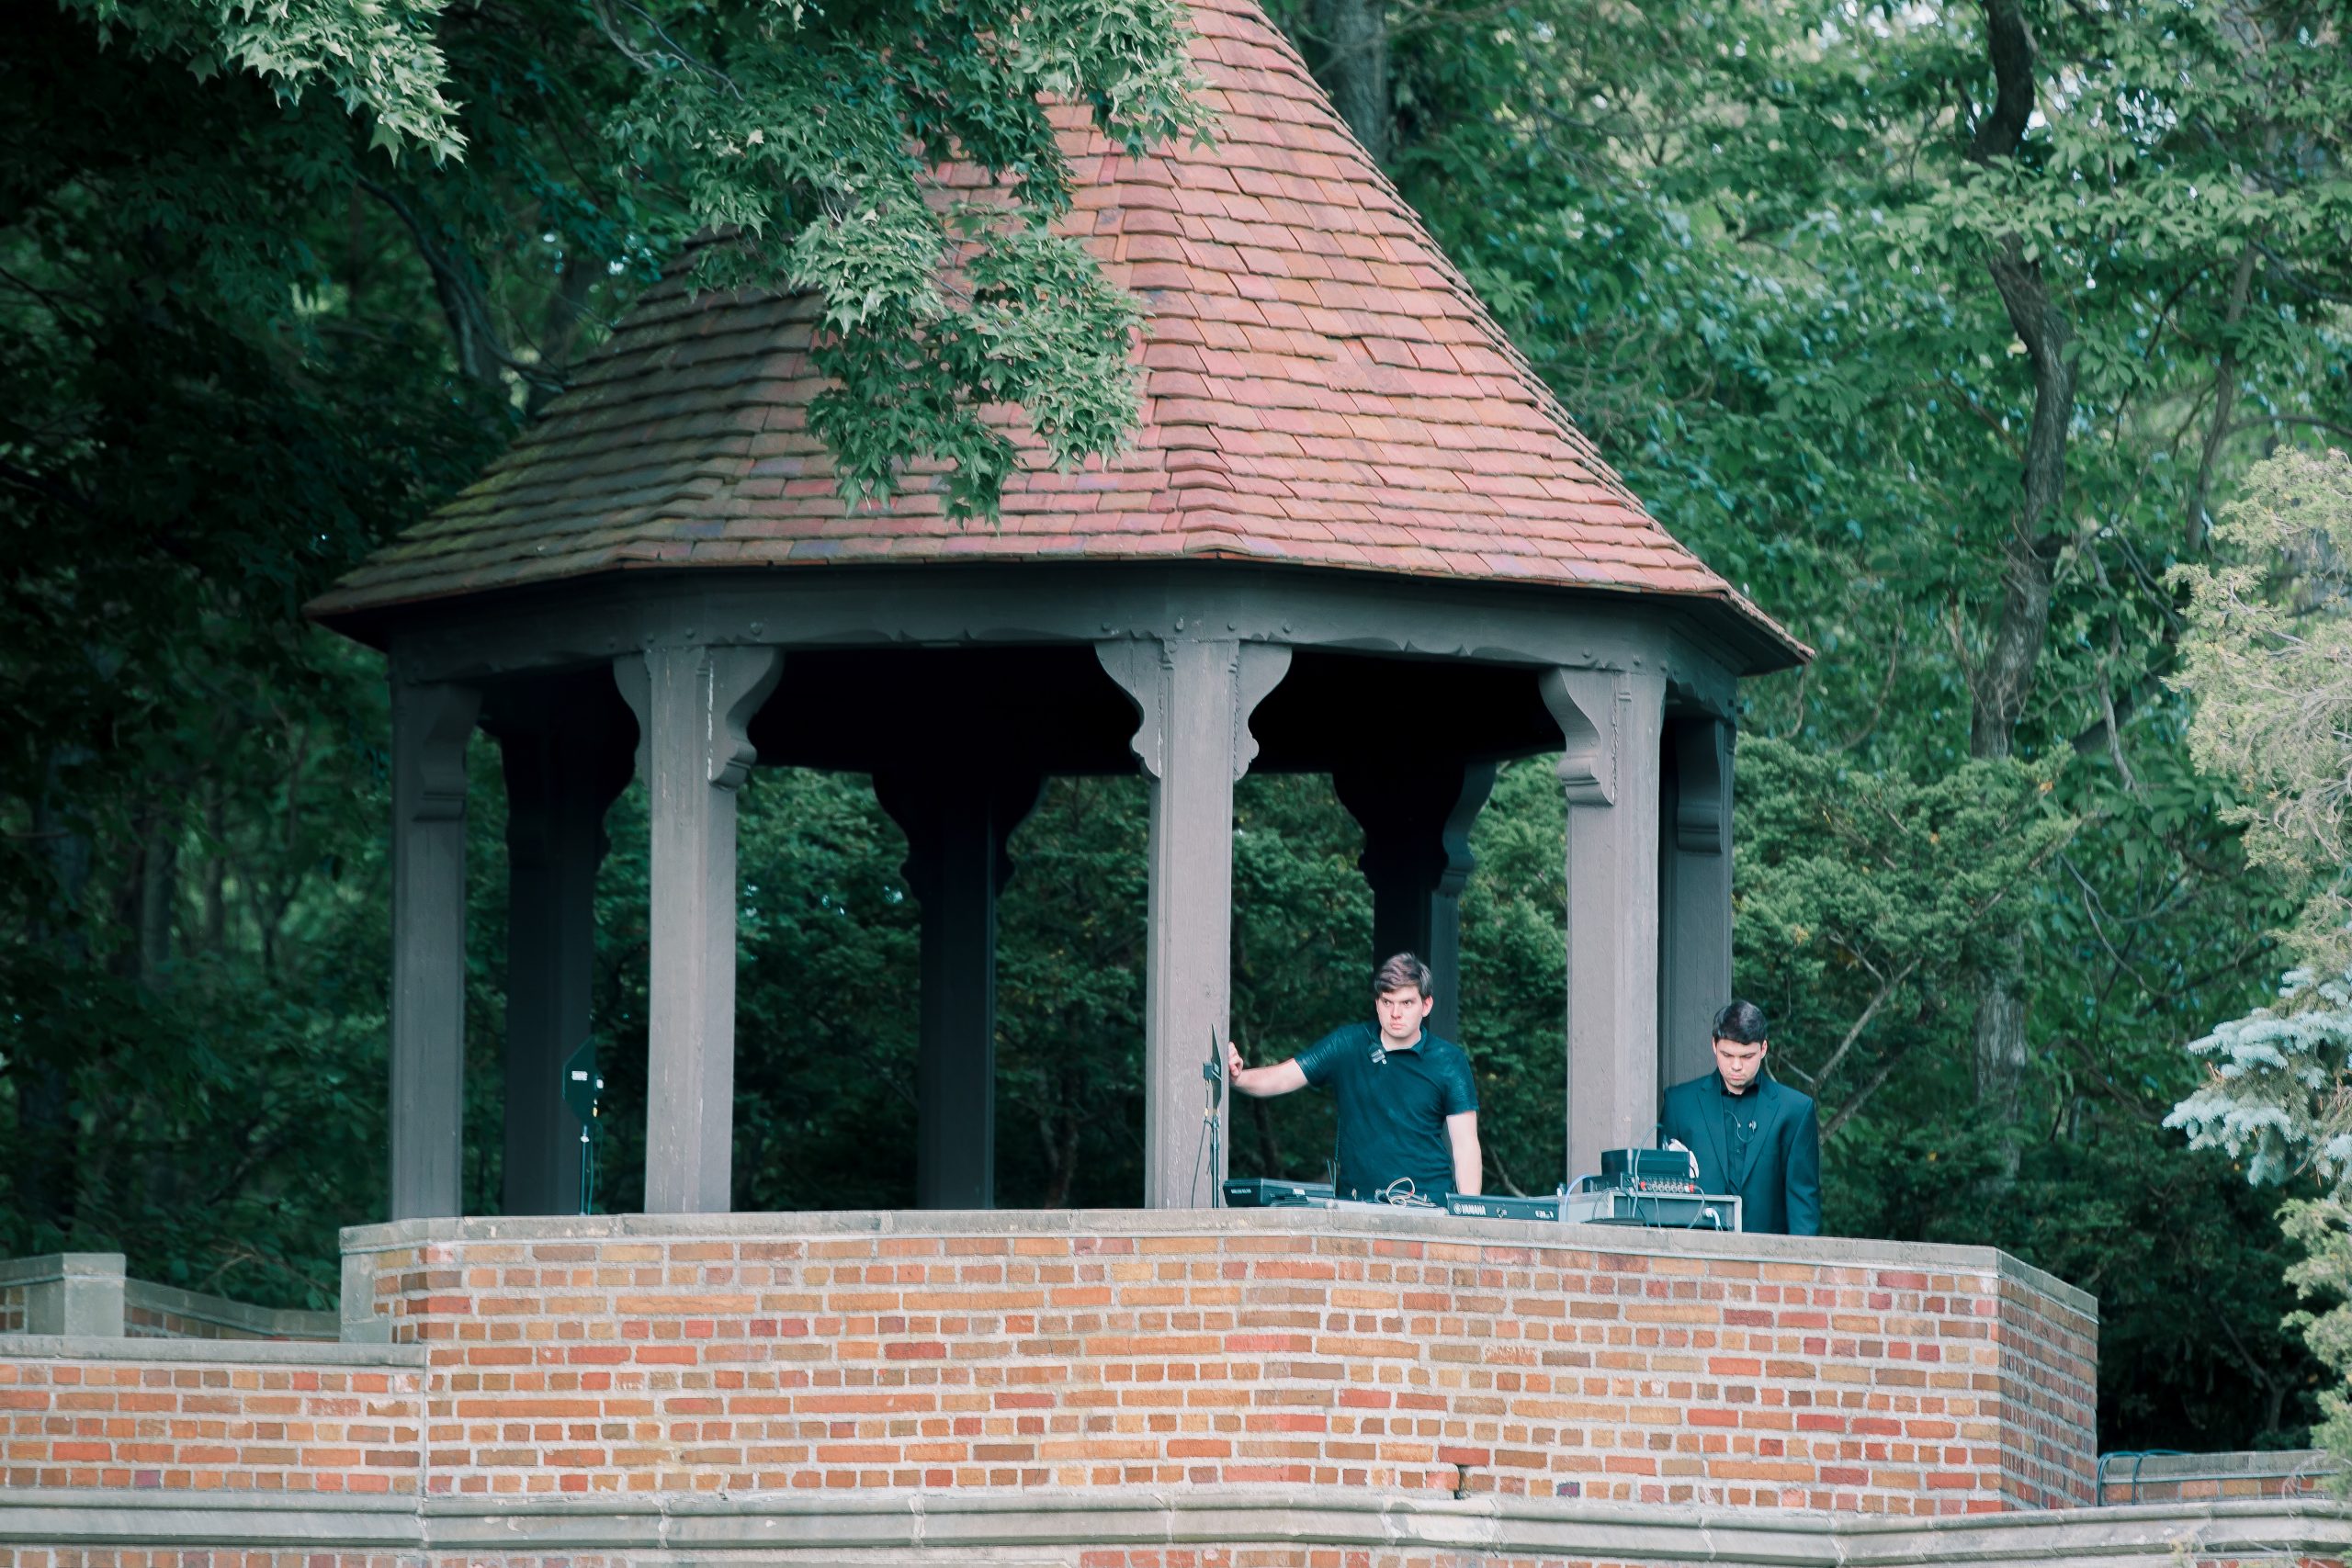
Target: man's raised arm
[(1261, 1083)]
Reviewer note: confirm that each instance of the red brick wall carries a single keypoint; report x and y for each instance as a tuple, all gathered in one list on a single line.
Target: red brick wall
[(186, 1425), (2049, 1360), (1260, 1349)]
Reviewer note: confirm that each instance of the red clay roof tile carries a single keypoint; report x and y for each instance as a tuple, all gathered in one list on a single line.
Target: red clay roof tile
[(1321, 388)]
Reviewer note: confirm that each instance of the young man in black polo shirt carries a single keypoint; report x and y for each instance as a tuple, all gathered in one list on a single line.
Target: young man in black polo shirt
[(1408, 1108)]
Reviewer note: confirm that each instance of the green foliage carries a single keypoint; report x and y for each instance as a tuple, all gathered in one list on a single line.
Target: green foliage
[(241, 344), (830, 147), (1069, 1000), (1862, 900), (1748, 247), (275, 278), (1514, 957), (380, 61), (2279, 1092), (814, 136), (2267, 657), (2322, 1228)]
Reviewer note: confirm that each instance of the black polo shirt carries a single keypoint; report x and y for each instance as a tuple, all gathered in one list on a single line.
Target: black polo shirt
[(1392, 1106)]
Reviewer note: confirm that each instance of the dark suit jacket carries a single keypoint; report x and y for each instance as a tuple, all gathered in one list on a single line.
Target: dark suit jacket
[(1778, 1183)]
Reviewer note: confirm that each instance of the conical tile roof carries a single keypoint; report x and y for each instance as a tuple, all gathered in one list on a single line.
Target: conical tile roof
[(1321, 390)]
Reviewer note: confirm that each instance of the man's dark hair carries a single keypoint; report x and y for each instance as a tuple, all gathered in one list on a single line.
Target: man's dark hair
[(1741, 1022), (1404, 969)]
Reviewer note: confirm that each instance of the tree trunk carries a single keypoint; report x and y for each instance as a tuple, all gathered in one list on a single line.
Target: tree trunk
[(2029, 555), (2225, 399), (1354, 34)]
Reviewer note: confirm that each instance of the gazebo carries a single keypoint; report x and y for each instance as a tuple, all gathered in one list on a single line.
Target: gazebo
[(1356, 535)]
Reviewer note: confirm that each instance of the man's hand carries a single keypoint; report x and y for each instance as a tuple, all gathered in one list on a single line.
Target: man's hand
[(1234, 1065)]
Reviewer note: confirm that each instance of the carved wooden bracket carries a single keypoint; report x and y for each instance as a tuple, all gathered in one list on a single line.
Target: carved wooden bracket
[(1477, 783), (1702, 781), (1000, 798), (431, 724), (1145, 668), (1417, 816), (1259, 669), (1140, 666), (1591, 707), (724, 688)]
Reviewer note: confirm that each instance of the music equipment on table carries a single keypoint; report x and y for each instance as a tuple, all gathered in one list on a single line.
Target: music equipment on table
[(1502, 1206), (1664, 1211), (1647, 1170), (1654, 1187), (1274, 1192)]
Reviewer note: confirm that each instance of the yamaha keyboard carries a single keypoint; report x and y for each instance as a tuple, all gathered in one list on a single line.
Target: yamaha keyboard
[(1274, 1192)]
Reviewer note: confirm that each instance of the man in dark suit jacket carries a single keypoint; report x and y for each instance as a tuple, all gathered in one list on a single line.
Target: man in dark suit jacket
[(1756, 1138)]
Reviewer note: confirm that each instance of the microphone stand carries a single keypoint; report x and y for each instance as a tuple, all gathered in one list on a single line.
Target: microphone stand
[(1213, 1125)]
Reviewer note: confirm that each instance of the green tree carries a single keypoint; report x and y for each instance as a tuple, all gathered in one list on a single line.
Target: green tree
[(274, 281), (2268, 656), (2269, 661), (1938, 330)]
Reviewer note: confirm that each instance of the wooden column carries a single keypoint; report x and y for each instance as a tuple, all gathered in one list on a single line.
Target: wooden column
[(1194, 700), (1695, 892), (693, 706), (431, 724), (1611, 722), (566, 752), (957, 824), (1417, 819)]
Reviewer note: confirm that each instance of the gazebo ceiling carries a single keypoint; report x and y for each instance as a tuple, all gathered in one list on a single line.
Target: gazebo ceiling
[(1321, 390), (1052, 709)]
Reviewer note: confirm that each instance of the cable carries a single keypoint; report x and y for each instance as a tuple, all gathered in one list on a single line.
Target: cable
[(1213, 1072), (1404, 1195), (1199, 1150)]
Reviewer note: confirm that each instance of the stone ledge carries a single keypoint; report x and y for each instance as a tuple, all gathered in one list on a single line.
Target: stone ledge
[(49, 1268), (217, 1353), (1399, 1225), (171, 1520), (1051, 1526), (244, 1321)]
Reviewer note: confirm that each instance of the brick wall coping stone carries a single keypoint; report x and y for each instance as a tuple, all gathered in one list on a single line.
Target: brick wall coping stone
[(210, 1352), (2263, 1465), (327, 1521), (266, 1322), (87, 1293), (50, 1267), (917, 1525), (1416, 1225)]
